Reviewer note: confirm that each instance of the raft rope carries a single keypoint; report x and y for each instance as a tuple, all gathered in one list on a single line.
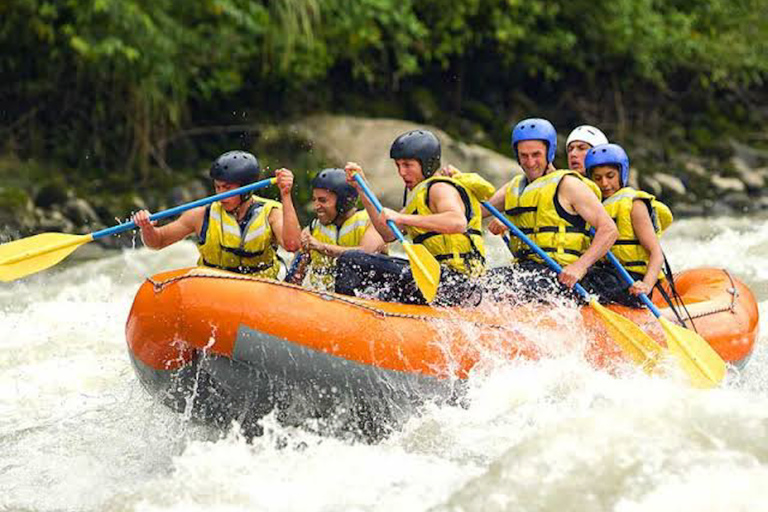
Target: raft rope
[(160, 285)]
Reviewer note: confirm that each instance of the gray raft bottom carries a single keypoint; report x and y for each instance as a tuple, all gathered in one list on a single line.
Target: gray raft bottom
[(305, 386)]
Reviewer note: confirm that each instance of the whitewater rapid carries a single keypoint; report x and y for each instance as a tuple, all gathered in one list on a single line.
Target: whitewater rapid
[(78, 432)]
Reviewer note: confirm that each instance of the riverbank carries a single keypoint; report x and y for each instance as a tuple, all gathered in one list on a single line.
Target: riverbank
[(36, 196)]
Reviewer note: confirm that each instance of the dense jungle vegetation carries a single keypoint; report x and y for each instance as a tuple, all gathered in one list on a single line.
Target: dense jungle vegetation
[(114, 92)]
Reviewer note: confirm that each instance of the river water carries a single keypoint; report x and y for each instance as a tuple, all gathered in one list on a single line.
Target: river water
[(78, 432)]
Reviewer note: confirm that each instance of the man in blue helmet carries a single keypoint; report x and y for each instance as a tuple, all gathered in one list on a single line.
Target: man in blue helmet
[(553, 208), (443, 213), (240, 233), (338, 227)]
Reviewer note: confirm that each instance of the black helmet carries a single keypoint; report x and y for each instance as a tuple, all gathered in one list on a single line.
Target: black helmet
[(421, 145), (335, 180), (238, 167)]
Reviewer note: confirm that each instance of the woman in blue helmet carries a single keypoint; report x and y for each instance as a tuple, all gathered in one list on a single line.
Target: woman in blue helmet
[(240, 233), (553, 207), (338, 227), (639, 217)]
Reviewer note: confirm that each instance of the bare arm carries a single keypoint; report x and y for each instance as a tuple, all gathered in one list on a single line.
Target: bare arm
[(449, 216), (576, 197), (188, 223), (381, 226), (643, 227), (285, 225)]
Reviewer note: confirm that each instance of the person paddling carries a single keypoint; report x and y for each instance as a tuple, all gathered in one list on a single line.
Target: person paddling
[(241, 233), (639, 217), (339, 227), (553, 208), (443, 214)]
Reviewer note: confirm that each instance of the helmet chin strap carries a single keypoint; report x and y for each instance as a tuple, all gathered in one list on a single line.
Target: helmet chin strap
[(243, 201)]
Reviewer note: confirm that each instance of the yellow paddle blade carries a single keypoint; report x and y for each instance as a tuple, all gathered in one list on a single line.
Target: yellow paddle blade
[(699, 360), (635, 343), (425, 269), (23, 257)]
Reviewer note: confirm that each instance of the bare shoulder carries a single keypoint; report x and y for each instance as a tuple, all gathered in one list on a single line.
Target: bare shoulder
[(441, 190), (572, 186)]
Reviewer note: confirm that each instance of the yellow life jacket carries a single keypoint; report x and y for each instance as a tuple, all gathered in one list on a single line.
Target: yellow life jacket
[(350, 234), (627, 248), (250, 251), (531, 207), (463, 252)]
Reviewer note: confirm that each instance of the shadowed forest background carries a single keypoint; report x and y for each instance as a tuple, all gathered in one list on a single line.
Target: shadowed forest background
[(111, 99)]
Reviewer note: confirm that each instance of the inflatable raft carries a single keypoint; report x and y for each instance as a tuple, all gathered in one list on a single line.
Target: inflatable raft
[(226, 347)]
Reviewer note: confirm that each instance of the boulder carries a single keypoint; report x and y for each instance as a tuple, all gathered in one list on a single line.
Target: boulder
[(341, 139), (80, 212), (724, 184), (753, 180), (670, 183)]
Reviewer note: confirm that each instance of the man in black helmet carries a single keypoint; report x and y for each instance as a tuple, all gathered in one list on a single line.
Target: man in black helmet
[(443, 214), (338, 228), (240, 233)]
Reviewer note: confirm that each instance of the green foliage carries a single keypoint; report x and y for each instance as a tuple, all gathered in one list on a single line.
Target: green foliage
[(103, 84)]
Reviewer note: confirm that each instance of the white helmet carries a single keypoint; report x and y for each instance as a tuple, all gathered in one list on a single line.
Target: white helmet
[(589, 134)]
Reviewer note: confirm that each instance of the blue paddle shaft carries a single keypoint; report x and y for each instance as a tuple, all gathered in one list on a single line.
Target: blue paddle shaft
[(184, 207), (628, 279), (373, 199), (535, 248)]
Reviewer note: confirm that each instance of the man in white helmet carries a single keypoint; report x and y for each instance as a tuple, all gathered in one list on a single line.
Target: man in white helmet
[(582, 139)]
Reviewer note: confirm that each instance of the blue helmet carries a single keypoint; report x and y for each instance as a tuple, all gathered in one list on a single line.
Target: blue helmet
[(608, 154), (536, 129)]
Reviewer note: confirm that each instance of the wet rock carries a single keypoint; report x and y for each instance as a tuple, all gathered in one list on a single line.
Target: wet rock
[(54, 220), (689, 210), (80, 212), (670, 184), (739, 201), (718, 208), (696, 169), (724, 184), (761, 203), (752, 157), (650, 184), (752, 179)]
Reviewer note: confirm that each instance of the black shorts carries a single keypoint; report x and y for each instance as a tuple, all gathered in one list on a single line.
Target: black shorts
[(530, 281), (390, 279)]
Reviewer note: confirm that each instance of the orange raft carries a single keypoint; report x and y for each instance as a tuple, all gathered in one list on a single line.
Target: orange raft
[(226, 346)]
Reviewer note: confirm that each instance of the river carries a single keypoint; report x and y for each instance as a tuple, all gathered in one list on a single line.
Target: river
[(78, 432)]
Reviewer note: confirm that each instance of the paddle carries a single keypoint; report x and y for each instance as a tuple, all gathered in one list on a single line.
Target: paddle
[(29, 255), (424, 266), (697, 357), (640, 347)]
